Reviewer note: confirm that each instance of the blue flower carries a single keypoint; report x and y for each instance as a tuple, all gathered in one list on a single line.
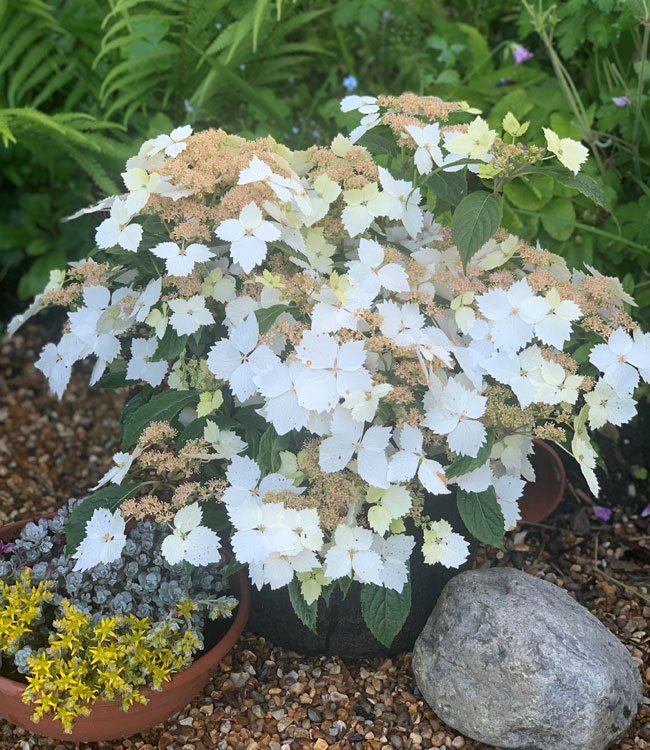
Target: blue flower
[(350, 82)]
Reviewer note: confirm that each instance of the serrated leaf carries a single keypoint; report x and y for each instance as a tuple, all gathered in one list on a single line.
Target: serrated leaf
[(136, 401), (266, 316), (464, 464), (161, 408), (482, 515), (451, 187), (581, 182), (170, 345), (214, 516), (306, 613), (385, 610), (344, 585), (107, 497), (475, 220)]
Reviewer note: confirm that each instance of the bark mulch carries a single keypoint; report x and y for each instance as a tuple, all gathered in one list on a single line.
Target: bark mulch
[(263, 696)]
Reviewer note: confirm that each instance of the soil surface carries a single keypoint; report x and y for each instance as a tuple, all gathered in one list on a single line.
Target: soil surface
[(265, 697)]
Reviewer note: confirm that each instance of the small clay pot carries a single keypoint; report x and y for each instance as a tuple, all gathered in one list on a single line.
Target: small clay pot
[(543, 496), (107, 721)]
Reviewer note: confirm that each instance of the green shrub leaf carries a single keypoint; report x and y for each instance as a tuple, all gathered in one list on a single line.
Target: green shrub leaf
[(385, 610), (475, 220), (161, 408), (306, 613), (464, 464), (482, 515)]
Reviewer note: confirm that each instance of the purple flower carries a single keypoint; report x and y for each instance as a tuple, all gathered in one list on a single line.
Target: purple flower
[(646, 511), (621, 101), (524, 147), (521, 54), (350, 82), (602, 514), (6, 547)]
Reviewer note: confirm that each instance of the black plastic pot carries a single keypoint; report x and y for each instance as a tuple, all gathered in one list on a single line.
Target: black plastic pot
[(341, 630)]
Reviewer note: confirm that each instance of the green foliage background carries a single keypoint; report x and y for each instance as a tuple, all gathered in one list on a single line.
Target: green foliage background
[(82, 84)]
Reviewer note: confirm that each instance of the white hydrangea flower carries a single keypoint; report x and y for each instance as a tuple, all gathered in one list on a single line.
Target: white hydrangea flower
[(117, 229), (140, 185), (555, 386), (475, 143), (363, 206), (180, 261), (477, 480), (456, 417), (140, 366), (370, 274), (444, 546), (278, 386), (367, 105), (401, 323), (261, 531), (387, 506), (394, 553), (147, 299), (331, 371), (618, 360), (172, 144), (286, 189), (351, 555), (238, 358), (428, 152), (243, 476), (513, 314), (401, 202), (56, 361), (248, 236), (367, 123), (188, 315), (509, 490), (116, 474), (556, 328), (569, 152), (411, 460), (606, 405), (191, 541), (224, 443), (103, 541), (519, 371), (363, 404), (349, 438)]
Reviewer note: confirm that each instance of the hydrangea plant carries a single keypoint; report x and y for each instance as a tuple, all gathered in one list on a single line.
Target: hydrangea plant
[(324, 339)]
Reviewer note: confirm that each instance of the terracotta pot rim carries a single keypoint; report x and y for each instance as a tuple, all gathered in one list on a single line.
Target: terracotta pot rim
[(538, 506), (207, 662)]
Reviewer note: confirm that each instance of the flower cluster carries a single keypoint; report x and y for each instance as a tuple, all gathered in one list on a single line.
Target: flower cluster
[(70, 658), (337, 348)]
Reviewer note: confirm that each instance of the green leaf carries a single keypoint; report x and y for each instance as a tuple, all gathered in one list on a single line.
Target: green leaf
[(559, 218), (306, 613), (268, 452), (170, 345), (475, 220), (115, 379), (139, 398), (531, 192), (385, 610), (464, 464), (267, 315), (581, 182), (107, 497), (451, 187), (234, 566), (482, 515), (379, 141), (344, 585), (214, 516), (162, 408)]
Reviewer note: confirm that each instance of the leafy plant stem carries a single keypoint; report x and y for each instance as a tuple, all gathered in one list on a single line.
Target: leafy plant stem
[(636, 141)]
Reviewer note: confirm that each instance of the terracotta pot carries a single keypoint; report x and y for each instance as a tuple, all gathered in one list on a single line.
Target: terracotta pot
[(107, 721), (542, 496), (341, 629)]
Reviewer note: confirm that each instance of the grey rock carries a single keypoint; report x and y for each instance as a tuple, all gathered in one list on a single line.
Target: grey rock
[(513, 661)]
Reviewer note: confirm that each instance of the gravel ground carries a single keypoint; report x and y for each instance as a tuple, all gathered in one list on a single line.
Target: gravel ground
[(263, 696)]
